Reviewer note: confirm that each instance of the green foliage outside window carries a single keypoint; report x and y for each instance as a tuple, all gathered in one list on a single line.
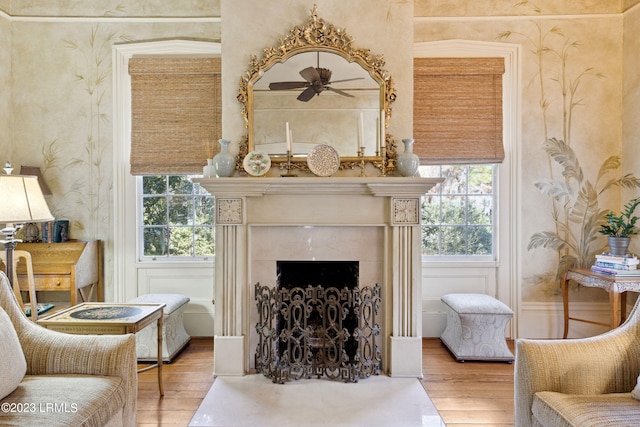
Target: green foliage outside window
[(177, 218), (457, 215)]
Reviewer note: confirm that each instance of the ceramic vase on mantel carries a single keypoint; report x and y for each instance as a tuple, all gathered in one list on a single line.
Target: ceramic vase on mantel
[(224, 161), (209, 171), (407, 162)]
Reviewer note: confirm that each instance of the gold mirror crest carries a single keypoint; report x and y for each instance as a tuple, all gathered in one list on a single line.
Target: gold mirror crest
[(320, 36)]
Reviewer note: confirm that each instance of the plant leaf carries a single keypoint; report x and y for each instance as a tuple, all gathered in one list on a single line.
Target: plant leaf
[(586, 204), (556, 189), (565, 156), (566, 262), (546, 239), (612, 163), (629, 182)]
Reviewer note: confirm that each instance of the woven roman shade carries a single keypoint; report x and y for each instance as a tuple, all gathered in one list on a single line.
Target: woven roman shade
[(457, 110), (175, 110)]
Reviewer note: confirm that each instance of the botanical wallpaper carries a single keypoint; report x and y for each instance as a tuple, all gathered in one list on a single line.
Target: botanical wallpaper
[(571, 132), (575, 194), (518, 7), (577, 119), (5, 82), (85, 8), (62, 110), (631, 103)]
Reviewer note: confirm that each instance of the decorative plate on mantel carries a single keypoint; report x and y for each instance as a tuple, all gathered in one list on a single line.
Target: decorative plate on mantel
[(323, 160), (257, 163)]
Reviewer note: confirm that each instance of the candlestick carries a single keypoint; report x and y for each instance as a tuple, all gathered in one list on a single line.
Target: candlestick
[(289, 173)]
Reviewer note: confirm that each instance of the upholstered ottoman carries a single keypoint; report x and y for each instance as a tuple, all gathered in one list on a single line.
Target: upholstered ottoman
[(174, 336), (475, 327)]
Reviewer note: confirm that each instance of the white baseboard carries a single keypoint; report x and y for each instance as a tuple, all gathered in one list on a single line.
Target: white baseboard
[(546, 320)]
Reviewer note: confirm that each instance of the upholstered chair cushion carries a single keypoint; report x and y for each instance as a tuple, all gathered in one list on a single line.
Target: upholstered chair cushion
[(13, 365)]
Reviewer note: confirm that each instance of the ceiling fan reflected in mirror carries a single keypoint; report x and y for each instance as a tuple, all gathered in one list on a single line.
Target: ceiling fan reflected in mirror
[(317, 79)]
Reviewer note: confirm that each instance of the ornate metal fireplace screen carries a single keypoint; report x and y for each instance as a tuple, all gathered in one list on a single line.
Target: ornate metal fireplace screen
[(305, 332)]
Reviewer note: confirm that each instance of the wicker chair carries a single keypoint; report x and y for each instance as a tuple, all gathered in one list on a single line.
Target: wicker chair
[(80, 380), (583, 382)]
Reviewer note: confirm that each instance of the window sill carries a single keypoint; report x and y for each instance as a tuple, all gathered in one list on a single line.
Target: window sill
[(457, 263), (173, 263)]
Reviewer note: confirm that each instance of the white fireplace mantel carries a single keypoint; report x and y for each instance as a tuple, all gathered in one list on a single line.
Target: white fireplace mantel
[(252, 187), (378, 220)]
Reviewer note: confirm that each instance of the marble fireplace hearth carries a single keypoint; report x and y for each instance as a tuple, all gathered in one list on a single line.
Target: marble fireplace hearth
[(374, 221)]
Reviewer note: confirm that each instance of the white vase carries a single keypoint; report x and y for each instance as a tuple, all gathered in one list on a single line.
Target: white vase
[(407, 162), (209, 171), (224, 161)]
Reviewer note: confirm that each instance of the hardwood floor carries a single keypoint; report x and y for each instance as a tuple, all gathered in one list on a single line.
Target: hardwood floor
[(186, 382), (465, 394), (469, 393)]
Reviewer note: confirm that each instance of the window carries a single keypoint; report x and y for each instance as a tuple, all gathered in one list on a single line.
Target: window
[(176, 220), (458, 215)]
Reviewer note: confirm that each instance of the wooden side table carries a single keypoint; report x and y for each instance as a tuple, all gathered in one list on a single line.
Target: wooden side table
[(109, 319), (616, 286), (73, 267)]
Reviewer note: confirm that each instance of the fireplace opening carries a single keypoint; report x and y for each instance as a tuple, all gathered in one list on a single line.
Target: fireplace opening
[(333, 277), (318, 322)]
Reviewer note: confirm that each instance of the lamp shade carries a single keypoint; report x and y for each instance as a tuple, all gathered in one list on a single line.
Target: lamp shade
[(35, 171), (21, 200)]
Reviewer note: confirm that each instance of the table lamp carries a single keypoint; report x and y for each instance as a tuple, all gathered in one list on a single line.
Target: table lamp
[(22, 202)]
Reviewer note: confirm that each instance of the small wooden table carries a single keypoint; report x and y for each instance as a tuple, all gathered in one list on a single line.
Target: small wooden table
[(96, 318), (616, 286), (72, 267)]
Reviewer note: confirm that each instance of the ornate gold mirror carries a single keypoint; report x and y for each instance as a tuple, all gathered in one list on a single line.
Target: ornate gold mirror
[(317, 89)]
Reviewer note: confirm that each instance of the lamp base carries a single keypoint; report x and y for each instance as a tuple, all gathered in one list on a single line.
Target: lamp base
[(10, 244)]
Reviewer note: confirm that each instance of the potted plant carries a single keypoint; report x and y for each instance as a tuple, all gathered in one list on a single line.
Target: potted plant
[(619, 228)]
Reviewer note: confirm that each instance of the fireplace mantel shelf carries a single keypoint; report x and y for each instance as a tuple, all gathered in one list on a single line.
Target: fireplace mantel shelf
[(379, 187)]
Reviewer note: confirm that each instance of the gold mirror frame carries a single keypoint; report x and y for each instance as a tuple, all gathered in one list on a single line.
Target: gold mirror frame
[(318, 35)]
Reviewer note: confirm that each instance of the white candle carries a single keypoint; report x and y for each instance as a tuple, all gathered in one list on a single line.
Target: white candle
[(287, 135), (361, 129), (291, 141), (377, 134), (383, 133)]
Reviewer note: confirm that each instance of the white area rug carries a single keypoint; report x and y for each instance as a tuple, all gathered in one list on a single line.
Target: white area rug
[(254, 400)]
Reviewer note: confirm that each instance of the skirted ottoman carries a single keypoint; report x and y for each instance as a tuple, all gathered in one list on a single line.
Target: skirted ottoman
[(475, 327), (174, 336)]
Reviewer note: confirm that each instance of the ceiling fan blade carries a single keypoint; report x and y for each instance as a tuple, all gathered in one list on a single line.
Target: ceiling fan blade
[(310, 74), (287, 85), (306, 94), (340, 92), (346, 80)]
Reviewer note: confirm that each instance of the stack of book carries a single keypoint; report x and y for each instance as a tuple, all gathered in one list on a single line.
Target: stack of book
[(617, 265)]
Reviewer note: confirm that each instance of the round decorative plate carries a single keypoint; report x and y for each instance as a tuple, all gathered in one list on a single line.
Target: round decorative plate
[(105, 313), (257, 163), (323, 160)]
